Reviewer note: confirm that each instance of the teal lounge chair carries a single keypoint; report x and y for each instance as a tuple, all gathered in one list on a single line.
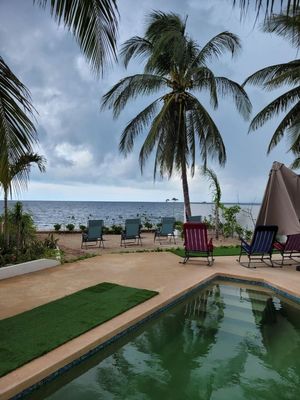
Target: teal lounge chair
[(131, 232), (94, 233), (166, 230)]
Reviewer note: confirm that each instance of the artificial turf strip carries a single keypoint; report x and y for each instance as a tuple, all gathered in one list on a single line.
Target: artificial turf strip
[(33, 333), (218, 251)]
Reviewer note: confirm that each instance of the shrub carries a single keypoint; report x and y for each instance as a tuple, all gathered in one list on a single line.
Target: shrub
[(179, 226), (116, 229), (57, 227), (230, 226), (148, 225), (105, 230), (70, 227), (83, 228), (50, 242)]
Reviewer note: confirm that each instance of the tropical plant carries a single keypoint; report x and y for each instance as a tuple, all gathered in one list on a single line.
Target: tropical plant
[(279, 75), (50, 241), (179, 123), (15, 177), (231, 226), (217, 193), (70, 227), (83, 228), (57, 227), (23, 244), (116, 229)]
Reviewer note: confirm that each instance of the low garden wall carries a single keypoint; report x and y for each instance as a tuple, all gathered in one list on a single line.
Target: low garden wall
[(27, 267)]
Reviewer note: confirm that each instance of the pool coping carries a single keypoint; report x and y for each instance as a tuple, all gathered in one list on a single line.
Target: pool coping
[(22, 389)]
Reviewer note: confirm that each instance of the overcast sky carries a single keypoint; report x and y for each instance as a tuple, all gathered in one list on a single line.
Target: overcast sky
[(81, 143)]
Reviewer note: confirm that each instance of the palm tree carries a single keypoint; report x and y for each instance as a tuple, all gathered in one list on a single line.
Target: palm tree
[(217, 193), (15, 177), (279, 75), (179, 123)]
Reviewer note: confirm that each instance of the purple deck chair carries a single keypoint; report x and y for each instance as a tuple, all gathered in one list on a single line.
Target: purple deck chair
[(196, 241), (261, 244), (289, 249)]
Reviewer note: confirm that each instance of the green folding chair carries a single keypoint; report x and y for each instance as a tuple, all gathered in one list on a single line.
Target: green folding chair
[(94, 234), (131, 233), (166, 230)]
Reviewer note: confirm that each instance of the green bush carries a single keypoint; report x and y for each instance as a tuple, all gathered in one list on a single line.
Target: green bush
[(22, 244), (70, 227), (83, 228), (116, 229), (230, 226), (57, 227), (148, 225)]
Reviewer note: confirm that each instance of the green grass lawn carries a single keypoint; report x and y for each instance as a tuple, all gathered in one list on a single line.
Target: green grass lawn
[(36, 332), (218, 251)]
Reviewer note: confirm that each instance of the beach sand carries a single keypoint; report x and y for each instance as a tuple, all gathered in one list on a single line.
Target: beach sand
[(70, 243)]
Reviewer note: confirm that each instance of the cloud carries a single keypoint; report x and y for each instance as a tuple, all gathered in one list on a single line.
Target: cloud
[(81, 142)]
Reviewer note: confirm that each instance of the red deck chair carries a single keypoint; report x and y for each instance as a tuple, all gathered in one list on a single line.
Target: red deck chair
[(289, 249), (196, 241)]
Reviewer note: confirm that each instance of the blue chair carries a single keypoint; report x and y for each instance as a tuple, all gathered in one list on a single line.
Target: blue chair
[(194, 218), (166, 230), (261, 244), (131, 232), (94, 233)]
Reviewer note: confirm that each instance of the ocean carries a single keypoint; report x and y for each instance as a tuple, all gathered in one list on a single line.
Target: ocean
[(47, 213)]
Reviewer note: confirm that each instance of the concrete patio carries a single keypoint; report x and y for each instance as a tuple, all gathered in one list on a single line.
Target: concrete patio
[(157, 271)]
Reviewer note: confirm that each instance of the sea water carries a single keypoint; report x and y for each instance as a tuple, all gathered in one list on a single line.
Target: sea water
[(47, 213)]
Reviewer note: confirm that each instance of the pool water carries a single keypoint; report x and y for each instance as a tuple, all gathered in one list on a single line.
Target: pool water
[(225, 342)]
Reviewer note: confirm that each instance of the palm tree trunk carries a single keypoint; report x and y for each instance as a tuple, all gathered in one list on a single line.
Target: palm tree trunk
[(185, 188), (6, 235)]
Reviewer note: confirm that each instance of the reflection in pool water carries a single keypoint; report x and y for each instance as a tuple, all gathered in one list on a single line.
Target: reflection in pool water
[(225, 342)]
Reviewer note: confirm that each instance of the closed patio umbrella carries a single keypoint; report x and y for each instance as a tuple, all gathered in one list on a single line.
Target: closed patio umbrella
[(281, 202)]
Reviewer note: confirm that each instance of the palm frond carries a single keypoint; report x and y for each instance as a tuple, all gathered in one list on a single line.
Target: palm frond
[(136, 126), (204, 78), (286, 26), (135, 47), (17, 131), (20, 170), (280, 104), (288, 76), (296, 163), (267, 74), (159, 22), (290, 6), (227, 87), (287, 122), (294, 137), (214, 184), (94, 24), (129, 88), (160, 125), (210, 139), (217, 46)]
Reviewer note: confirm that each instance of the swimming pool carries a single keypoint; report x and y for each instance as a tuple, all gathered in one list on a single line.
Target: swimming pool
[(224, 342)]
